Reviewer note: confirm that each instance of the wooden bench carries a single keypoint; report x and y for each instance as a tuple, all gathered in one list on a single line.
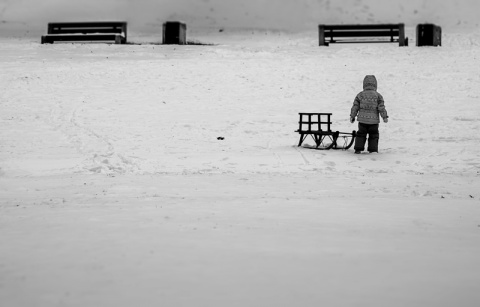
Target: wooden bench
[(318, 126), (86, 31), (372, 34)]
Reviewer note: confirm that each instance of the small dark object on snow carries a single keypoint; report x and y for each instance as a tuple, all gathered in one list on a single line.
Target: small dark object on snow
[(221, 138)]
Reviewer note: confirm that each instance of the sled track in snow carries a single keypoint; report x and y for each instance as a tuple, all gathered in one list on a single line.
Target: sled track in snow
[(99, 150)]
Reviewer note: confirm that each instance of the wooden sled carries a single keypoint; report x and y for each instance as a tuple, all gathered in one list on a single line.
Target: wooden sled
[(318, 126)]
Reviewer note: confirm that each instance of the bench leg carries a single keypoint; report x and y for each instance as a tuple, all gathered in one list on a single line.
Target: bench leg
[(321, 36), (401, 36), (46, 40)]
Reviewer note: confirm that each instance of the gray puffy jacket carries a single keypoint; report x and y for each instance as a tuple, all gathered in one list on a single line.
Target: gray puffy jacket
[(369, 104)]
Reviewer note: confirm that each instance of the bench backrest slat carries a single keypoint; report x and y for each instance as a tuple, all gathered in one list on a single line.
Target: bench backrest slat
[(89, 23), (362, 26), (362, 33), (86, 27), (84, 31)]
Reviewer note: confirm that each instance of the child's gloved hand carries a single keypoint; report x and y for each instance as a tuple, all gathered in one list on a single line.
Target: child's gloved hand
[(352, 119), (385, 120)]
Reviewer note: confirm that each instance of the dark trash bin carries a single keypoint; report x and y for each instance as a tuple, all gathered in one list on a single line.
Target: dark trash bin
[(175, 32), (429, 35)]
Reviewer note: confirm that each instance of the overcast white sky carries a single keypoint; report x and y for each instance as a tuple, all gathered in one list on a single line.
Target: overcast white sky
[(278, 14)]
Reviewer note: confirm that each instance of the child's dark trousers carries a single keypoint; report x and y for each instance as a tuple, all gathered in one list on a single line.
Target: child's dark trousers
[(372, 131)]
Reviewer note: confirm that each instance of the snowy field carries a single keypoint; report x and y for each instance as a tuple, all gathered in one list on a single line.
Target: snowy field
[(116, 191)]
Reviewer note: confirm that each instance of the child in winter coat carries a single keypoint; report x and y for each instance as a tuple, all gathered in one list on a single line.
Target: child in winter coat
[(367, 107)]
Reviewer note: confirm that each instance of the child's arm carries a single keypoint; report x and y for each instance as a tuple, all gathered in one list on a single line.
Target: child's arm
[(355, 109), (381, 108)]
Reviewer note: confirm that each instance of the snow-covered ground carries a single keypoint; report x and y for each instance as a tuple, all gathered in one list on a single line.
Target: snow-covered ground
[(116, 191)]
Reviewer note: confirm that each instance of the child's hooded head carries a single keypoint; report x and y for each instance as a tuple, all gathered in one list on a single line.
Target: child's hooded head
[(370, 83)]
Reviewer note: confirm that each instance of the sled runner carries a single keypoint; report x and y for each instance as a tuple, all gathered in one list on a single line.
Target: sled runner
[(318, 126)]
